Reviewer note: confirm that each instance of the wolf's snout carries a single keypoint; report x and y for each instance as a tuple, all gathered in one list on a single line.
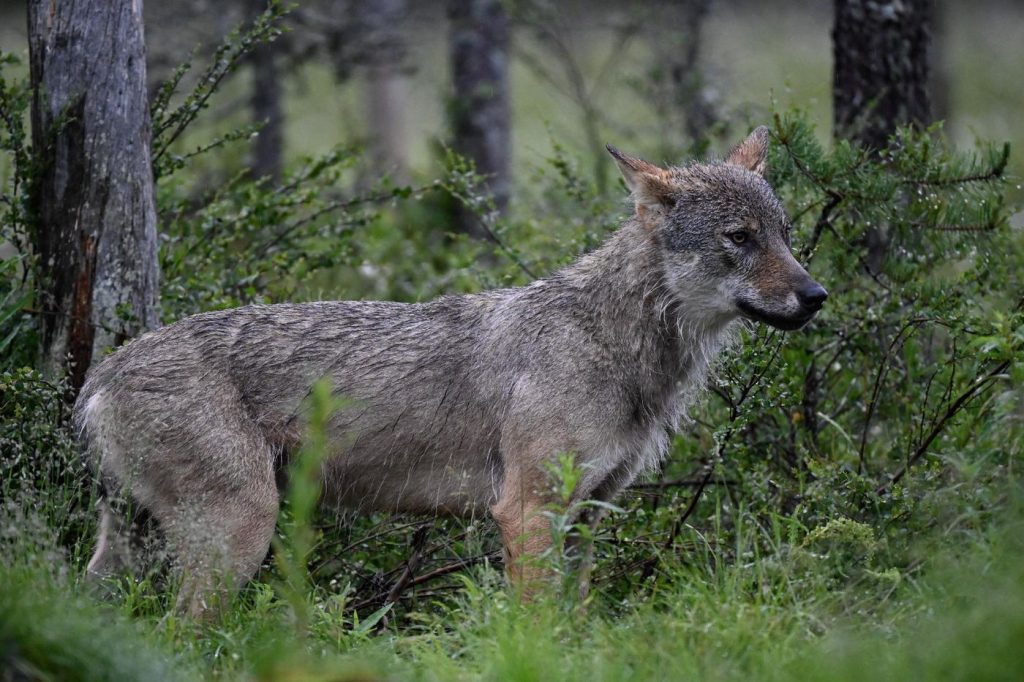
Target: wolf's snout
[(812, 296)]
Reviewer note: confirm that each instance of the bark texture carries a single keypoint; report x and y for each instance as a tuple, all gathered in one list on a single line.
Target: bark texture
[(96, 236), (480, 106), (881, 67)]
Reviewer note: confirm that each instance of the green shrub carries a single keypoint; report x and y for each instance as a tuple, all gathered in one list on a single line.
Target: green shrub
[(822, 473)]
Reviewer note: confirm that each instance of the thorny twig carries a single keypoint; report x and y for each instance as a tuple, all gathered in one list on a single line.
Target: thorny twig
[(227, 56), (374, 534), (677, 525), (823, 221), (453, 567), (338, 205)]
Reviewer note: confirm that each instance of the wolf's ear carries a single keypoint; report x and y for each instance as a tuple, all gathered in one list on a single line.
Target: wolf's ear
[(752, 153), (648, 183)]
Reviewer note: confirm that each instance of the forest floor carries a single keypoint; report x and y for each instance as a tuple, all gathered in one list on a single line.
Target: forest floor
[(769, 602), (768, 618)]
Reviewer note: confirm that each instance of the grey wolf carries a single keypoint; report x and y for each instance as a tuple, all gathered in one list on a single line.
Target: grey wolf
[(458, 404)]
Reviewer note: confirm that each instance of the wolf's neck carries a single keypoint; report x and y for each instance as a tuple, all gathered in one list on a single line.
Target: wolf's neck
[(624, 286)]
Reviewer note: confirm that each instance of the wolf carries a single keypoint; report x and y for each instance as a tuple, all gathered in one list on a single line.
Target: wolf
[(453, 406)]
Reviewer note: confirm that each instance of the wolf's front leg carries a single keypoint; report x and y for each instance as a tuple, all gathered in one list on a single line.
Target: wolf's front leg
[(525, 530)]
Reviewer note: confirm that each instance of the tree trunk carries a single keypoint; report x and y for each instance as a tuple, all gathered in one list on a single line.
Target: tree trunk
[(881, 68), (480, 106), (940, 68), (683, 100), (382, 24), (265, 103), (95, 236), (880, 80)]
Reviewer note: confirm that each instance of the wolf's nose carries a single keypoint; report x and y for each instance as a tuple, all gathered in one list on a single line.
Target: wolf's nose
[(812, 296)]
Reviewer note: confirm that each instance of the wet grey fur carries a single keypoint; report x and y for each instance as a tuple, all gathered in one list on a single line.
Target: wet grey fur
[(454, 405)]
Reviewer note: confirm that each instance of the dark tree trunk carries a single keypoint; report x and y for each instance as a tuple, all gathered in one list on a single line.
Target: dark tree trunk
[(881, 68), (480, 107), (940, 69), (684, 102), (96, 235), (686, 75), (265, 103), (880, 80)]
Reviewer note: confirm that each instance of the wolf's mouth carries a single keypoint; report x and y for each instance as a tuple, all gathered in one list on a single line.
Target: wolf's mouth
[(778, 321)]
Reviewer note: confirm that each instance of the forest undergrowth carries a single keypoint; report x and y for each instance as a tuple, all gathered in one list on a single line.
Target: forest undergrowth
[(844, 503)]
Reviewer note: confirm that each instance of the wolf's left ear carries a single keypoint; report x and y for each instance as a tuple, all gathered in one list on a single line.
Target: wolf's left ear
[(752, 153), (648, 183)]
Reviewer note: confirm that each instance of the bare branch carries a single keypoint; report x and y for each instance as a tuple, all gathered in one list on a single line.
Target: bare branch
[(960, 403)]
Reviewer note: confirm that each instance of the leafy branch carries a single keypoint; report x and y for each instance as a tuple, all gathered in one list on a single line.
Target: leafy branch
[(170, 124)]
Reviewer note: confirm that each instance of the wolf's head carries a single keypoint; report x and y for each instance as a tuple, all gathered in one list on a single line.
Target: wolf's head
[(724, 236)]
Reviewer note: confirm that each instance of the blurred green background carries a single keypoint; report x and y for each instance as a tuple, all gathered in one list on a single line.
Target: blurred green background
[(750, 54), (804, 560)]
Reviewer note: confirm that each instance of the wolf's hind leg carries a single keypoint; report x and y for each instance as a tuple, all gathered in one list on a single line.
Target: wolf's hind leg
[(220, 542), (118, 541), (111, 544)]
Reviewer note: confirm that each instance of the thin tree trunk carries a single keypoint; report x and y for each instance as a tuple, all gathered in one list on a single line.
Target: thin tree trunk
[(480, 105), (880, 79), (684, 102), (940, 69), (387, 101), (95, 237), (387, 87), (686, 74), (265, 103)]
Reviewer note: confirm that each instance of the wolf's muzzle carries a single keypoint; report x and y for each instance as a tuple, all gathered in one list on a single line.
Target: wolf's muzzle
[(810, 295)]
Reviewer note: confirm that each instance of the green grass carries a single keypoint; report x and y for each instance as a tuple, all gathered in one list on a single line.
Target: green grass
[(786, 616), (929, 587)]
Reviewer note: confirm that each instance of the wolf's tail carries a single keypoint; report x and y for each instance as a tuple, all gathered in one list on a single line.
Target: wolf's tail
[(89, 411)]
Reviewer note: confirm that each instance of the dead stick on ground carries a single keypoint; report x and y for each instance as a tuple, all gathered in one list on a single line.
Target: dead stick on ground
[(419, 539), (452, 568)]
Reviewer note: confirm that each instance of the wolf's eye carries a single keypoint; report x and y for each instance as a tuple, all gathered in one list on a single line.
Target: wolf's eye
[(739, 237)]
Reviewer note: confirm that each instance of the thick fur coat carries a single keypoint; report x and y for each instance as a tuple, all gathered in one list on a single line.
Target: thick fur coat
[(451, 406)]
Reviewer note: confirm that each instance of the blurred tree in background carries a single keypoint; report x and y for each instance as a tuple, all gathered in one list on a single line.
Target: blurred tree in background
[(268, 144), (479, 103), (683, 95), (820, 470), (385, 33)]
